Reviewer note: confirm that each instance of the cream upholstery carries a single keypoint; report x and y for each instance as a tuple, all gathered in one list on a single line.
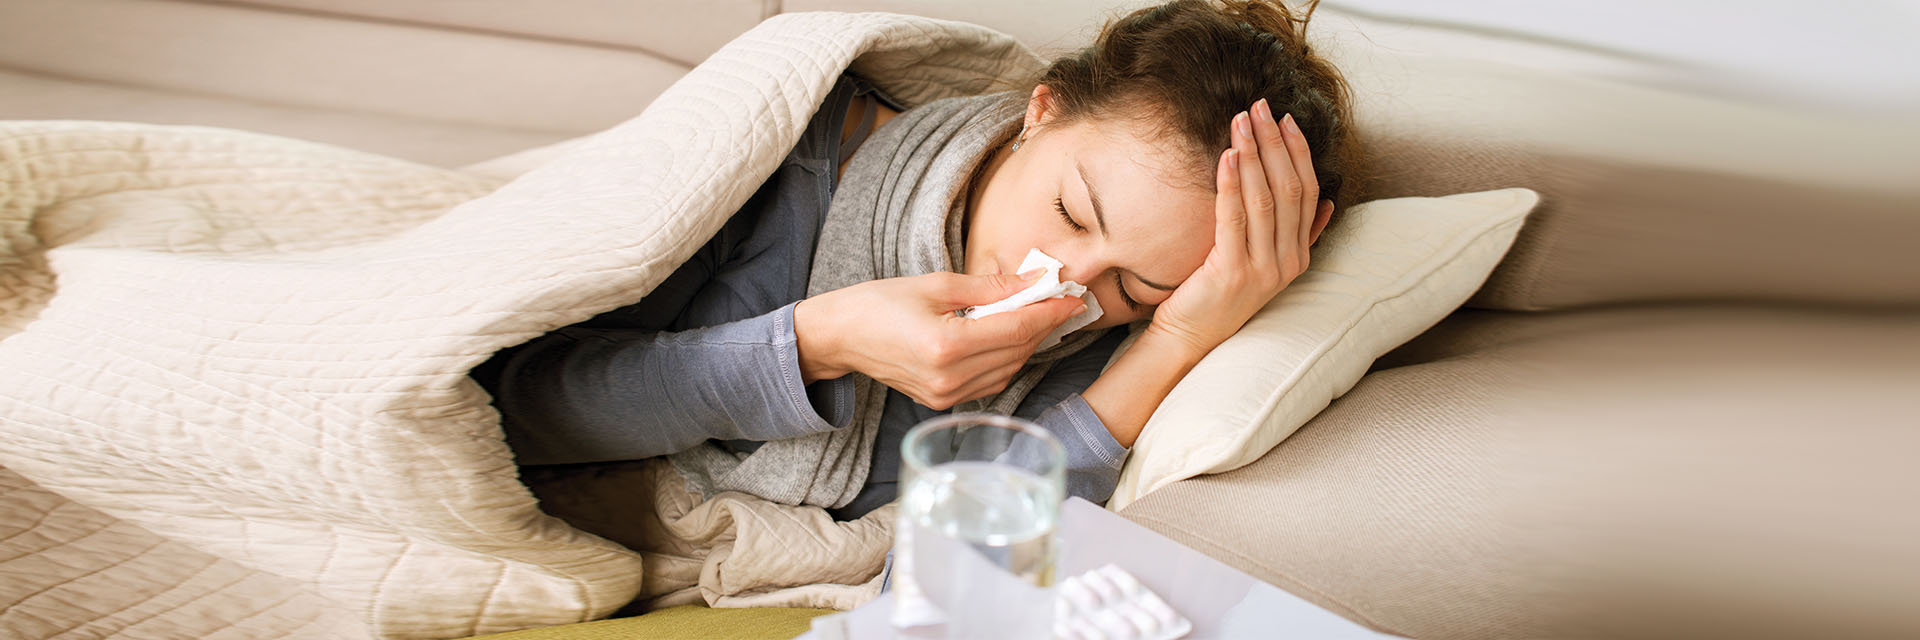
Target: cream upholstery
[(447, 82), (1049, 27), (680, 31), (37, 97), (1728, 471), (1651, 195), (469, 78)]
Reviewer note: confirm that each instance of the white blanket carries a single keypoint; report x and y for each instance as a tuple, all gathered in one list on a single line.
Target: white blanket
[(252, 351)]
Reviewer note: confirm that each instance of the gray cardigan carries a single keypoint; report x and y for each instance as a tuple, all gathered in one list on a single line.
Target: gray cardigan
[(710, 353)]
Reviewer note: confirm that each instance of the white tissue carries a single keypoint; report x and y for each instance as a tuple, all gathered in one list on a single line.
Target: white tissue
[(1048, 286)]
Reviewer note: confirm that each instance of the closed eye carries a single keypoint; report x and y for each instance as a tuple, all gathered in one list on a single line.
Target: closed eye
[(1062, 208), (1121, 285)]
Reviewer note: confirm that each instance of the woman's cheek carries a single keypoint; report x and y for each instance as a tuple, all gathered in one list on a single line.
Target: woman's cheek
[(1112, 308)]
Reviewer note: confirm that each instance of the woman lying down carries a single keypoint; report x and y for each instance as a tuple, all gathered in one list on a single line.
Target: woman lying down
[(1167, 167)]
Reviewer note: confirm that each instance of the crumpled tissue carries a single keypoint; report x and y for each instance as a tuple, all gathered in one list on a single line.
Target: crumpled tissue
[(1048, 286)]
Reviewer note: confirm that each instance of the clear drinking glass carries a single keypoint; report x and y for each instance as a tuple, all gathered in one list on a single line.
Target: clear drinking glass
[(975, 541)]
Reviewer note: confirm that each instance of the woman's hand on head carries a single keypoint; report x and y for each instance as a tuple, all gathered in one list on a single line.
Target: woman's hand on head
[(1267, 213), (903, 333)]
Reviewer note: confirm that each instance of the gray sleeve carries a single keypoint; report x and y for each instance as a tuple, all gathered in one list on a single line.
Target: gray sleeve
[(590, 395), (1093, 455)]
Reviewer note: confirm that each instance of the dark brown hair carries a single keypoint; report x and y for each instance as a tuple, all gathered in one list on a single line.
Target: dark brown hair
[(1188, 66)]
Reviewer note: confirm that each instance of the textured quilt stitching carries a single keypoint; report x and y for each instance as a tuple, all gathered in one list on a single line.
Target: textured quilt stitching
[(67, 162)]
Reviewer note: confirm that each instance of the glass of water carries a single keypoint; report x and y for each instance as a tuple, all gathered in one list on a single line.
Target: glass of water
[(975, 541)]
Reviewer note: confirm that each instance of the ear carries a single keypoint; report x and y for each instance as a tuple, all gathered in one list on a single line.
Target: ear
[(1039, 106), (1320, 219)]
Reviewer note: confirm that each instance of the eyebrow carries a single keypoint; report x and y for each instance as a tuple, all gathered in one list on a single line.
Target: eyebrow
[(1100, 223), (1099, 218)]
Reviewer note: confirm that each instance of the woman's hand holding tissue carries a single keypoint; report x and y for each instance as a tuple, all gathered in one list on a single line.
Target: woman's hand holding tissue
[(903, 333), (1267, 213)]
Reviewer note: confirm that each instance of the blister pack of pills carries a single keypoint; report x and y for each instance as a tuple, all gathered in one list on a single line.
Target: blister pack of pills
[(1110, 604)]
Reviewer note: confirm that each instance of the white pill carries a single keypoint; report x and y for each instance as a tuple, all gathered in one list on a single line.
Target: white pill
[(1141, 620), (1085, 628), (1158, 609), (1077, 592), (1114, 625), (1097, 581), (1122, 579)]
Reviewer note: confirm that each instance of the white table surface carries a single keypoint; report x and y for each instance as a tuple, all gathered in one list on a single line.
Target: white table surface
[(1221, 601)]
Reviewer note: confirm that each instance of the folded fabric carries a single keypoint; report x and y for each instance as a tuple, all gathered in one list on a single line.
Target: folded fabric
[(273, 339), (1048, 286)]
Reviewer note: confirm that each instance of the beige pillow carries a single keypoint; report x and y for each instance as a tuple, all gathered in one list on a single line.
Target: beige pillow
[(1389, 270)]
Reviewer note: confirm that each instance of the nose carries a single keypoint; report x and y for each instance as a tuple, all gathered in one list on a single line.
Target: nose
[(1080, 264)]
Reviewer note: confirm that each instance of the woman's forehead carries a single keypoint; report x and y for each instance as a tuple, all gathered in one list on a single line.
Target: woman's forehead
[(1137, 184), (1145, 211)]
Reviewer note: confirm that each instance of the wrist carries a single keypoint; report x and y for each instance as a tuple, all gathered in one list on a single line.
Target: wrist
[(813, 334), (1178, 346), (1128, 392)]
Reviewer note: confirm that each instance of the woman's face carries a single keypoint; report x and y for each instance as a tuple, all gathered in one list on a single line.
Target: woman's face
[(1103, 198)]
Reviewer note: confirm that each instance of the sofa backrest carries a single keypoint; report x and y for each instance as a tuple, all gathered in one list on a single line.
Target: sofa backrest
[(286, 55), (563, 67), (1650, 194), (1652, 191)]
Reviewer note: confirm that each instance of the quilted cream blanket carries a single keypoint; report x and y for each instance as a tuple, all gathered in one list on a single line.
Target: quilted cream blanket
[(233, 392)]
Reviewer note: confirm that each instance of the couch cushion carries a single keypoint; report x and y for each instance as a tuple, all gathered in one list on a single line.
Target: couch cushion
[(684, 31), (319, 62), (1648, 194), (34, 97), (1692, 472), (1050, 27)]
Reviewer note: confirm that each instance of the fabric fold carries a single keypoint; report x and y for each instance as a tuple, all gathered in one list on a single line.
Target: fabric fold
[(276, 337)]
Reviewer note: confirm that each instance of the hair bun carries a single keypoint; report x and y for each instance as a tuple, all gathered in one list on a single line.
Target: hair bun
[(1272, 18)]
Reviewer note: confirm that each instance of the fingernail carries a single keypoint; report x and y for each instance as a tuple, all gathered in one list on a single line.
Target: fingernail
[(1080, 310), (1263, 109), (1031, 274), (1241, 122), (1291, 125), (1233, 158)]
